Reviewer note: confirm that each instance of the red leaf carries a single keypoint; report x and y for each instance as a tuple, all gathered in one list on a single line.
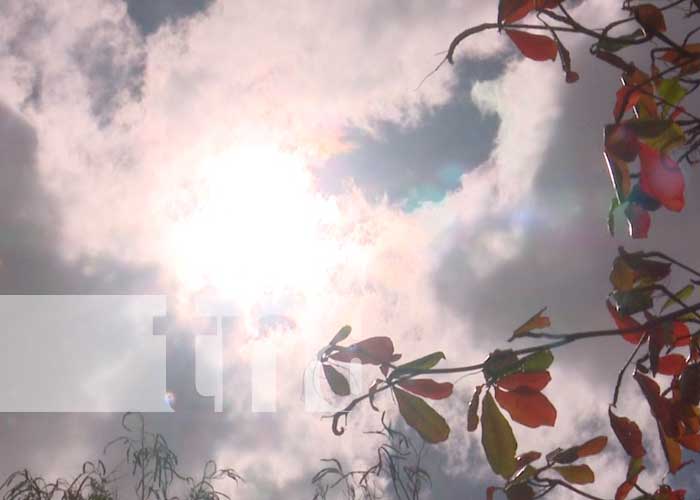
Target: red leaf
[(374, 351), (628, 434), (527, 407), (625, 323), (537, 47), (672, 451), (592, 447), (661, 178), (672, 364), (639, 221), (650, 17), (490, 491), (660, 407), (527, 458), (624, 489), (632, 96), (428, 388), (681, 334), (534, 380), (514, 10)]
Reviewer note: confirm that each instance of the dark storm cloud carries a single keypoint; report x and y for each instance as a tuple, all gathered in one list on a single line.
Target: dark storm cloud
[(30, 223), (149, 15), (423, 163)]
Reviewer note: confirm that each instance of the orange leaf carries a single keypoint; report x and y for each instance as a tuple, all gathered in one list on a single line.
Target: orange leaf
[(672, 364), (428, 388), (592, 446), (688, 64), (533, 380), (650, 17), (690, 441), (661, 178), (626, 98), (628, 434), (537, 47), (672, 451), (537, 321), (527, 407), (625, 323)]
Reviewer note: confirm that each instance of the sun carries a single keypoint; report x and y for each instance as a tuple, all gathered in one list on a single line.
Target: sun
[(256, 224)]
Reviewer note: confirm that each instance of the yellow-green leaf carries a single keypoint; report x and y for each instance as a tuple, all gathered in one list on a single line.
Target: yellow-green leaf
[(576, 474), (424, 363), (622, 275), (537, 321), (341, 335), (537, 362), (497, 439), (670, 139), (422, 417), (682, 295)]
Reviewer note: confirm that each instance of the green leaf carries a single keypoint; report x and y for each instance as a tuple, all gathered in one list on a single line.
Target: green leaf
[(497, 439), (537, 362), (614, 203), (336, 380), (618, 43), (576, 474), (423, 363), (671, 91), (635, 466), (633, 301), (682, 295), (341, 335), (422, 417)]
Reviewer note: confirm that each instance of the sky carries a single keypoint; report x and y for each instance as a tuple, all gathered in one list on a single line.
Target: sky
[(286, 160)]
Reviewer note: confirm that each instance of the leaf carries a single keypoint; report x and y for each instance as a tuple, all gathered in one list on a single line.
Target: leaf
[(671, 364), (633, 301), (661, 178), (622, 276), (621, 141), (618, 43), (650, 17), (520, 491), (533, 380), (639, 221), (514, 10), (536, 47), (341, 335), (691, 442), (490, 491), (576, 474), (614, 204), (635, 467), (626, 323), (592, 446), (619, 175), (648, 127), (497, 439), (537, 362), (629, 435), (537, 321), (668, 140), (688, 64), (374, 351), (527, 458), (420, 364), (626, 98), (527, 407), (682, 295), (422, 417), (473, 410), (672, 451), (671, 91), (428, 388), (337, 381)]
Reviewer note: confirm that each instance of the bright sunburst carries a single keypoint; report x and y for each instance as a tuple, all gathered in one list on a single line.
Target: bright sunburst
[(256, 225)]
